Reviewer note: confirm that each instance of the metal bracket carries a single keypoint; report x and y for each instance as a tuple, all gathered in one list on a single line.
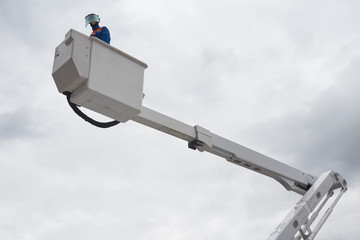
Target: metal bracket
[(194, 144), (203, 139)]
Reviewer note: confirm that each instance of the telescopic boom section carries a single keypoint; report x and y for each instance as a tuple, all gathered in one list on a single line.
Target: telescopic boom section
[(108, 81), (203, 140)]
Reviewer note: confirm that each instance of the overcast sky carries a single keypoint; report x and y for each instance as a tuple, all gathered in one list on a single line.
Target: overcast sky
[(280, 77)]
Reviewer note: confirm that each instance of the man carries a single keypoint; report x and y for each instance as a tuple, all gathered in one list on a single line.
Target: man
[(101, 33)]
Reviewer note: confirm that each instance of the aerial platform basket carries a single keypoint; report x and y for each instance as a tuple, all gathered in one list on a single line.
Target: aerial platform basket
[(99, 76)]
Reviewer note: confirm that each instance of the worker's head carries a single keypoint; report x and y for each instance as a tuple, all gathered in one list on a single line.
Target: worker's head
[(92, 18)]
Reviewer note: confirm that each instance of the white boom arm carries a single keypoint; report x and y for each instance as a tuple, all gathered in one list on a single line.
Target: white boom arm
[(80, 65), (203, 140), (316, 191)]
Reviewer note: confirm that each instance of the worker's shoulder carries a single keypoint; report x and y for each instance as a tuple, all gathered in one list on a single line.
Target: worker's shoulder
[(104, 28)]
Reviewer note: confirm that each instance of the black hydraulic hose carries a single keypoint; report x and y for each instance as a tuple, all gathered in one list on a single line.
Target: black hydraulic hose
[(87, 118)]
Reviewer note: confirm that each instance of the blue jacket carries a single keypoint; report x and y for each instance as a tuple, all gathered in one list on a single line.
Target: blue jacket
[(101, 33)]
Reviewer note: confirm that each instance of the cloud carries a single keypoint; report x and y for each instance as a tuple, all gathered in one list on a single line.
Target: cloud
[(280, 78), (17, 125), (325, 134)]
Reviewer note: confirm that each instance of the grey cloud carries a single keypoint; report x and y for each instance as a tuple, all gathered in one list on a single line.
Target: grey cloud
[(324, 136), (17, 124), (61, 178)]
